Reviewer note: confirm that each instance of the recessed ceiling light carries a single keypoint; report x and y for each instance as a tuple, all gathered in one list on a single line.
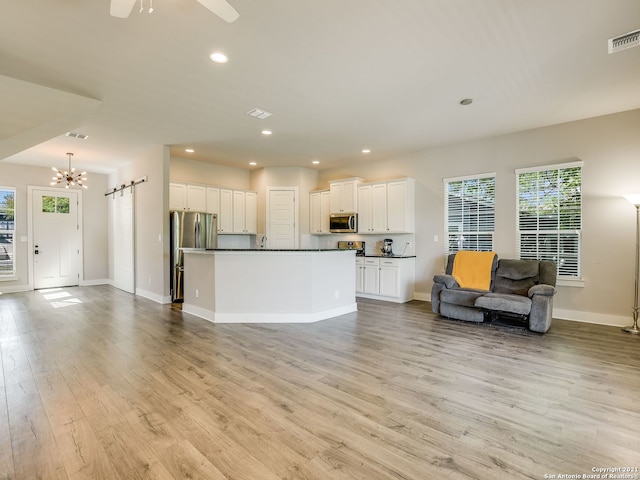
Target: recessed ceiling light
[(466, 101), (218, 57), (253, 164), (316, 162), (366, 150), (267, 132), (189, 150)]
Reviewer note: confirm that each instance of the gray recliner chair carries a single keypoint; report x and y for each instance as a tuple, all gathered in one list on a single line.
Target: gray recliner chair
[(520, 289)]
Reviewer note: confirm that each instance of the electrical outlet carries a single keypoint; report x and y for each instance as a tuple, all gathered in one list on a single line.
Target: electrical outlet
[(197, 293)]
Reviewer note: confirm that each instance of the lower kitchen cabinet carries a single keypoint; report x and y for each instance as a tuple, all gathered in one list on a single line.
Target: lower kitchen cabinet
[(383, 278)]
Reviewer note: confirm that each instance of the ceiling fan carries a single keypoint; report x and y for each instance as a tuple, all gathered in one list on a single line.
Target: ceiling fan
[(222, 8)]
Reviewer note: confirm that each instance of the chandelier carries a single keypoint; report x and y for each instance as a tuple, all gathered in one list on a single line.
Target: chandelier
[(70, 176)]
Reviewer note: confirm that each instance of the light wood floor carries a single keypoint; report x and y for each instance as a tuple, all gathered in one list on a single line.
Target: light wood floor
[(100, 384)]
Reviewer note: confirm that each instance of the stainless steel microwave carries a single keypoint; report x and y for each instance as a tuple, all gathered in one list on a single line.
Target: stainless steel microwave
[(343, 223)]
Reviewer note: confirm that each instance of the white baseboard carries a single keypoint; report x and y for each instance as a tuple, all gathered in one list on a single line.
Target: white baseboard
[(153, 296), (423, 297), (572, 315), (590, 317), (99, 281), (15, 289), (267, 317), (199, 312)]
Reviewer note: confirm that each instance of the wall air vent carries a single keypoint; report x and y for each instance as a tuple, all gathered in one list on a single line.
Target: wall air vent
[(81, 136), (622, 42), (257, 113)]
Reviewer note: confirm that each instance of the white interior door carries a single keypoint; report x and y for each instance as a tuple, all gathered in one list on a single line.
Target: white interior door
[(281, 231), (121, 208), (56, 238)]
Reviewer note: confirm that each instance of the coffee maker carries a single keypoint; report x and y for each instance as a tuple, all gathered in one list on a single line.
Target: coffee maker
[(386, 248)]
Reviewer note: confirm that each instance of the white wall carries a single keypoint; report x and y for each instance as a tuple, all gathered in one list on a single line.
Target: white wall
[(95, 261), (183, 170), (152, 221), (305, 179), (609, 146)]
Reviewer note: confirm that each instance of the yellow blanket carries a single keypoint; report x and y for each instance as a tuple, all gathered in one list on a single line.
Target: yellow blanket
[(473, 269)]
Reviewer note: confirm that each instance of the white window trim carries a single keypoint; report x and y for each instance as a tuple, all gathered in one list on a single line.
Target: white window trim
[(445, 182), (562, 280), (13, 276)]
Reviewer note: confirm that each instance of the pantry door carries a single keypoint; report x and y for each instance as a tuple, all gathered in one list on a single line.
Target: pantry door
[(282, 229), (55, 237)]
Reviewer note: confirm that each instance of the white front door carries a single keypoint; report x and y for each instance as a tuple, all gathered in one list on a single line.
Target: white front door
[(281, 232), (56, 238)]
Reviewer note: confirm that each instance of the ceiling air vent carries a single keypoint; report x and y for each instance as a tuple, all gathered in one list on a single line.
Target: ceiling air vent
[(257, 113), (81, 136), (622, 42)]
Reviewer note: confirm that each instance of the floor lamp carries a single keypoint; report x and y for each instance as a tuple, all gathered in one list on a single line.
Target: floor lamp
[(635, 200)]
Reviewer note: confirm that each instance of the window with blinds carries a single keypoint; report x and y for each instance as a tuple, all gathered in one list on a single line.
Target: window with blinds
[(470, 212), (549, 219)]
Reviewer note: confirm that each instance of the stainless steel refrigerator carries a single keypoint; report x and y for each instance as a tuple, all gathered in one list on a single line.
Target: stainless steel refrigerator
[(189, 230)]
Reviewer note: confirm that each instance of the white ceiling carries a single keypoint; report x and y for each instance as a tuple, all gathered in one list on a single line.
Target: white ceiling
[(338, 76)]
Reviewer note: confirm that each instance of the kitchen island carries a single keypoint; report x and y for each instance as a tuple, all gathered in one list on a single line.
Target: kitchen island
[(269, 286)]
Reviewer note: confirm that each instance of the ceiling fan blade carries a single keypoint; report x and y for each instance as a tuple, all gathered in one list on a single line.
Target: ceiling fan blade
[(222, 8), (121, 8)]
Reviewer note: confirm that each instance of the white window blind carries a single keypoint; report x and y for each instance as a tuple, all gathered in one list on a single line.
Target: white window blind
[(549, 219), (470, 212), (7, 231)]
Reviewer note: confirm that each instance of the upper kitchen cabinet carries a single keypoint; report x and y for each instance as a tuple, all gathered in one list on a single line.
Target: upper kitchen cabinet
[(372, 208), (319, 206), (213, 200), (401, 205), (225, 217), (187, 197), (245, 212), (387, 207), (344, 195)]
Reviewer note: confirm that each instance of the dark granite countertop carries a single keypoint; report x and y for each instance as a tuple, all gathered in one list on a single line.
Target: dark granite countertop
[(275, 250), (388, 256)]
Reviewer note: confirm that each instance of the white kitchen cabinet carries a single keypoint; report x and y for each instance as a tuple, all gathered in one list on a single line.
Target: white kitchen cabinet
[(344, 195), (177, 196), (359, 274), (401, 207), (187, 197), (213, 201), (371, 276), (245, 212), (319, 207), (364, 209), (389, 278), (196, 198), (382, 278), (251, 213), (372, 208), (225, 218), (387, 207)]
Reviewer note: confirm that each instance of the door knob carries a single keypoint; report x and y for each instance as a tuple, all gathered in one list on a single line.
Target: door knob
[(36, 250)]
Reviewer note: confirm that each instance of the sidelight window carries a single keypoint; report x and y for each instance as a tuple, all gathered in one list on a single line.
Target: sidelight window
[(7, 231)]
